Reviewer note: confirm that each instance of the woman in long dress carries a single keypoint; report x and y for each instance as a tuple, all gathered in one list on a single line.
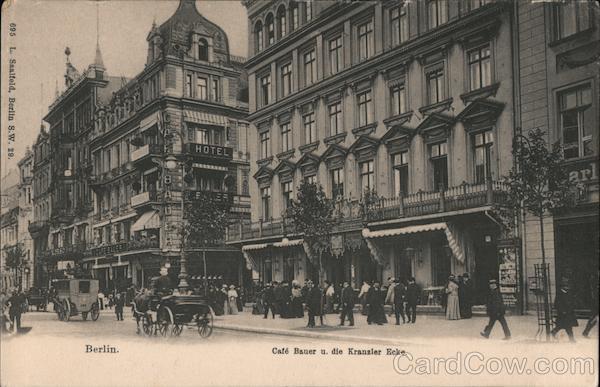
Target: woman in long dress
[(453, 306), (296, 308), (232, 298)]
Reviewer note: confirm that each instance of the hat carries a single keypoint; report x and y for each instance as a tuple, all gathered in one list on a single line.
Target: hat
[(231, 286), (493, 281), (224, 286)]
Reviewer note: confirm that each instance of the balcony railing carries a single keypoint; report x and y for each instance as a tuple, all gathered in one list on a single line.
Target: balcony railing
[(462, 197), (353, 214), (144, 198), (144, 151)]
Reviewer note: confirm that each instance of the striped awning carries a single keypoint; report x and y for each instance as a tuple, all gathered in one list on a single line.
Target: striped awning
[(148, 220), (204, 118), (149, 122), (295, 242), (257, 246), (209, 166)]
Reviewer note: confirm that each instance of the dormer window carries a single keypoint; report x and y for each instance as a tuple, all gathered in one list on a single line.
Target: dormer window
[(203, 50)]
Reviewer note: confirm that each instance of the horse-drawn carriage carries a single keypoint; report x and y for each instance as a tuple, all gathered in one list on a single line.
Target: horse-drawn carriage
[(168, 315), (76, 296), (38, 298)]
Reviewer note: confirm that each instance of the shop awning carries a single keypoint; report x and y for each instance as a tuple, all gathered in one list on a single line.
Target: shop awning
[(148, 122), (211, 167), (204, 118), (403, 230), (452, 234), (257, 246), (295, 242), (148, 220)]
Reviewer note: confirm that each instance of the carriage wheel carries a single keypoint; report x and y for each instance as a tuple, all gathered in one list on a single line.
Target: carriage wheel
[(95, 312), (67, 310), (165, 320), (177, 329), (146, 326), (84, 316), (205, 324)]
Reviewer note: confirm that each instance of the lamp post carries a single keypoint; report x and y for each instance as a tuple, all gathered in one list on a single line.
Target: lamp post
[(172, 164)]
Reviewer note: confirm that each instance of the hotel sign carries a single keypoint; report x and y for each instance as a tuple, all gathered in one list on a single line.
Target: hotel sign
[(214, 152)]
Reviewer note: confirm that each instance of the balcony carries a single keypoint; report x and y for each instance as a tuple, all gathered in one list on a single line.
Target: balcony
[(38, 226), (144, 152), (144, 198), (462, 197), (261, 229)]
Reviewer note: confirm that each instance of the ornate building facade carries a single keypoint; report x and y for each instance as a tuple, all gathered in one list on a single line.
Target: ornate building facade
[(116, 206)]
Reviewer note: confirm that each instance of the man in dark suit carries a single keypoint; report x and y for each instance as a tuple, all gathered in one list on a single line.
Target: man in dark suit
[(465, 296), (347, 300), (495, 311), (399, 299), (565, 313), (412, 297), (279, 293), (313, 304), (268, 300)]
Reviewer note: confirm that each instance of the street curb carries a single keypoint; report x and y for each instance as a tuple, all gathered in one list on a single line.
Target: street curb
[(313, 335)]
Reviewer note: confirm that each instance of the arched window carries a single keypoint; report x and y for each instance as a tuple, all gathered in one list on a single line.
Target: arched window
[(281, 21), (203, 50), (294, 16), (258, 37), (270, 29)]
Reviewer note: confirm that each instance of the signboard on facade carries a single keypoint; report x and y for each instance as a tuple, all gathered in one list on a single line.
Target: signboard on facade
[(211, 151), (508, 275)]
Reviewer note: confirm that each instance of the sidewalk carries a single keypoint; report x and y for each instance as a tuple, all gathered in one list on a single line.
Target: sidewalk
[(428, 328)]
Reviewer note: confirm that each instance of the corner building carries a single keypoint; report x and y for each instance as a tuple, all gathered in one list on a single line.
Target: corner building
[(120, 220), (412, 100)]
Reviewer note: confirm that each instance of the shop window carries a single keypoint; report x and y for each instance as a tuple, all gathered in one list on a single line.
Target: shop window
[(438, 158), (578, 128)]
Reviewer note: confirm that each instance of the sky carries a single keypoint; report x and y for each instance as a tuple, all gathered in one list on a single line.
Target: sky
[(43, 28)]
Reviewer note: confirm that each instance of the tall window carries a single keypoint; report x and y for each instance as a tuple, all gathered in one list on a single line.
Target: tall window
[(265, 89), (435, 85), (201, 88), (571, 17), (286, 79), (265, 194), (399, 23), (367, 176), (438, 157), (295, 15), (337, 183), (270, 30), (281, 22), (438, 12), (188, 86), (203, 49), (310, 128), (474, 4), (312, 179), (310, 68), (578, 129), (258, 36), (265, 146), (398, 99), (201, 136), (365, 40), (480, 74), (286, 137), (287, 193), (215, 89), (400, 164), (365, 108), (335, 118), (482, 144), (309, 10), (335, 55)]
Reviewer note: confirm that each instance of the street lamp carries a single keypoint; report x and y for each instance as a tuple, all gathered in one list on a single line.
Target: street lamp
[(172, 164)]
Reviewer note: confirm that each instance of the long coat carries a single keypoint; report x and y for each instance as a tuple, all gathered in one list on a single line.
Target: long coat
[(313, 301), (565, 313), (412, 294), (495, 305), (375, 299)]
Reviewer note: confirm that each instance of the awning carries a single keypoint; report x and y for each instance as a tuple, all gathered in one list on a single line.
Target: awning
[(212, 167), (108, 265), (148, 122), (204, 118), (114, 220), (148, 220), (450, 231), (257, 246), (295, 242)]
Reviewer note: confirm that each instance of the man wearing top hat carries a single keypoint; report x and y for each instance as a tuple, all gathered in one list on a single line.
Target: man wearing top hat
[(565, 313), (495, 311)]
